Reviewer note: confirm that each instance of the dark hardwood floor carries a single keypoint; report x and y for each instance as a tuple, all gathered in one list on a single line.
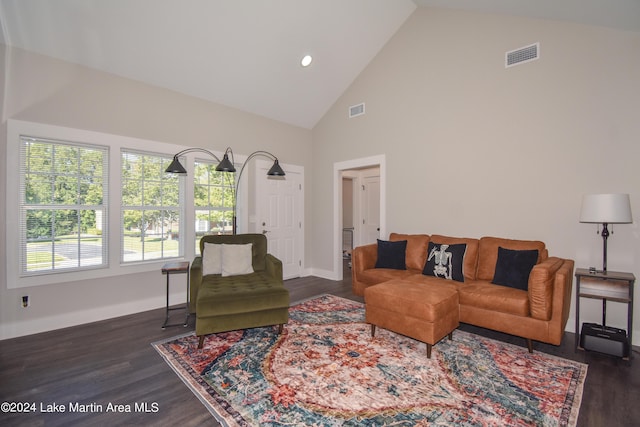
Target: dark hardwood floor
[(112, 361)]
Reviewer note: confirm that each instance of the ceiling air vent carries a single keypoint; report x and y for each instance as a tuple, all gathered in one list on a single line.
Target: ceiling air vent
[(356, 110), (522, 55)]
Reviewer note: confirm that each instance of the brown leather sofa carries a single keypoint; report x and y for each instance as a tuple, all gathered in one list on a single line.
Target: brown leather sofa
[(539, 313)]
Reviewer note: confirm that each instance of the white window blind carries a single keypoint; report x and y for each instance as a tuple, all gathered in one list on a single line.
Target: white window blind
[(152, 201), (63, 206)]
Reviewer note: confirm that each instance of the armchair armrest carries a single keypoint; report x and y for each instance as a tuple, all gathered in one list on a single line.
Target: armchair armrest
[(194, 282), (273, 267)]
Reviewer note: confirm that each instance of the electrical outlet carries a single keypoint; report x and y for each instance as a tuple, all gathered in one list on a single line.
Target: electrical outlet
[(25, 301)]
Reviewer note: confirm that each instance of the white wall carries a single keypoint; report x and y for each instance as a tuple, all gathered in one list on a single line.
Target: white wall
[(475, 149), (43, 90)]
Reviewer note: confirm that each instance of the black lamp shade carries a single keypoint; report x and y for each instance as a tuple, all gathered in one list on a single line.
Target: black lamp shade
[(176, 167), (225, 165), (276, 170)]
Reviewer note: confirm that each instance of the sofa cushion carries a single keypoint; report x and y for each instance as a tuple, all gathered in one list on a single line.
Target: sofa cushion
[(513, 267), (392, 254), (492, 297), (488, 253), (416, 248), (374, 276), (470, 257), (445, 261)]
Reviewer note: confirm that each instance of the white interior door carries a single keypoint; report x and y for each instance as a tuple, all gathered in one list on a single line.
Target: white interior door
[(279, 202), (370, 209)]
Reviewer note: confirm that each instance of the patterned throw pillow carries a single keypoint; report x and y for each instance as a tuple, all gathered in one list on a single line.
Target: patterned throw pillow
[(392, 254), (514, 267), (445, 261)]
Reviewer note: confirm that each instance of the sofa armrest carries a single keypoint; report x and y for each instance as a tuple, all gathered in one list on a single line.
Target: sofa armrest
[(364, 257), (542, 282), (195, 280), (273, 267)]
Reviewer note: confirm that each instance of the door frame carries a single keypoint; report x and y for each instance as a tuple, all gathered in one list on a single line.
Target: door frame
[(338, 168)]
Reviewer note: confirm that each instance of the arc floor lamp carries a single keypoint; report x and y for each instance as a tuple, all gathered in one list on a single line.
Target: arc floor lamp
[(226, 165)]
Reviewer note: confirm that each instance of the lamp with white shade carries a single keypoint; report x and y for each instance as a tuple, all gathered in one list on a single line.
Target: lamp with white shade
[(606, 209)]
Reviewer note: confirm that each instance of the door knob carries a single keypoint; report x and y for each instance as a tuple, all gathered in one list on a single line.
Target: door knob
[(265, 231)]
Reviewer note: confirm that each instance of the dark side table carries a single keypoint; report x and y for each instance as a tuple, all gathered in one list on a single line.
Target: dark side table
[(176, 268), (607, 286)]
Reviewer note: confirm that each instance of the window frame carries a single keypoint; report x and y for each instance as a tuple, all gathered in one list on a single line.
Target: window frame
[(53, 207), (229, 181), (16, 128), (144, 207)]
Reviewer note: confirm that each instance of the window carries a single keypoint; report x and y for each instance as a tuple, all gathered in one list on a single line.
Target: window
[(151, 208), (213, 200), (63, 189)]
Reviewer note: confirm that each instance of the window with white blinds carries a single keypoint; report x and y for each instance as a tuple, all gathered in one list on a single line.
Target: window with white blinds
[(152, 201), (63, 206)]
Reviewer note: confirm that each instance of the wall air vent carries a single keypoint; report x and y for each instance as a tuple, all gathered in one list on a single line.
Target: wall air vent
[(522, 55), (356, 110)]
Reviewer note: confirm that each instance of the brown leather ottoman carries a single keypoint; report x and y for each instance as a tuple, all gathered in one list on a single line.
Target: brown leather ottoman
[(425, 313)]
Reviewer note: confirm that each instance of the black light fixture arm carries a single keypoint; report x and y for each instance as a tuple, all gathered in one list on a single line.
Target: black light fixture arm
[(227, 165), (195, 149)]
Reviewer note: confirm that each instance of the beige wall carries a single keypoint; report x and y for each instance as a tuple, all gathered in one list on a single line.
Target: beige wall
[(475, 149), (42, 90)]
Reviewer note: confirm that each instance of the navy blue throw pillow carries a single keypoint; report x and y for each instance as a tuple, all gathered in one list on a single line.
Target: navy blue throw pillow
[(392, 254), (514, 267), (445, 261)]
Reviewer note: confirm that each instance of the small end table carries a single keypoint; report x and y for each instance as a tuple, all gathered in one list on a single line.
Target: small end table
[(608, 286), (176, 268)]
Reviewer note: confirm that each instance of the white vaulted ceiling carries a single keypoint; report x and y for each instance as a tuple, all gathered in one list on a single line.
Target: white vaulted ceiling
[(246, 54)]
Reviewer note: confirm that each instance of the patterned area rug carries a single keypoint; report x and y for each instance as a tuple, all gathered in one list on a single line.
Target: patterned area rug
[(325, 369)]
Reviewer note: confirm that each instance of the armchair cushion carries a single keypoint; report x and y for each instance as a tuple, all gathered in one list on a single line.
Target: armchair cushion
[(236, 259), (212, 259)]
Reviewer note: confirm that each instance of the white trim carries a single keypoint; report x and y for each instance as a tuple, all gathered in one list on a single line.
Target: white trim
[(338, 168), (15, 128)]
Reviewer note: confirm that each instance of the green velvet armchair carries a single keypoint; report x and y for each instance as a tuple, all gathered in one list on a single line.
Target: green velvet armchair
[(225, 303)]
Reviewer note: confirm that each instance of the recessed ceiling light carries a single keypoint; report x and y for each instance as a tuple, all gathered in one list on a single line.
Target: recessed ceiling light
[(306, 61)]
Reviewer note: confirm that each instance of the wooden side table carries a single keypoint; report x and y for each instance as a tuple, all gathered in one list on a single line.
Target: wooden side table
[(176, 268), (607, 286)]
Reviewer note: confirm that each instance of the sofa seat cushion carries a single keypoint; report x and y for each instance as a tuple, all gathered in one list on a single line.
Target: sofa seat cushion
[(374, 276), (492, 297), (219, 296)]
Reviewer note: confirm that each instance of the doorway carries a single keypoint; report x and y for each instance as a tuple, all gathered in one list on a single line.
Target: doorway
[(367, 179), (278, 215)]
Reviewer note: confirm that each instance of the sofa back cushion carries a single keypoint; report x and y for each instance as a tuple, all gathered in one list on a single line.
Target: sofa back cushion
[(488, 253), (470, 257), (416, 249), (258, 248)]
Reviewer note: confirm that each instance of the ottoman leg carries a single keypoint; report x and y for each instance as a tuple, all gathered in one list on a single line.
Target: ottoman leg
[(373, 330), (200, 341), (450, 335), (429, 351)]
